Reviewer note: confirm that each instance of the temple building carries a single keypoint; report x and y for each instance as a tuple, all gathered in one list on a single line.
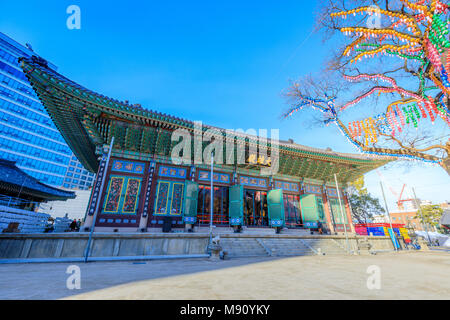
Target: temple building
[(145, 180), (21, 197), (22, 191)]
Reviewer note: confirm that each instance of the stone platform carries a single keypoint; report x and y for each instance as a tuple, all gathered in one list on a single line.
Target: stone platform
[(148, 246)]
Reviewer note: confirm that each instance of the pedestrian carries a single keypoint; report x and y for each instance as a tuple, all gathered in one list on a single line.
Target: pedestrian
[(78, 225), (319, 227), (73, 225)]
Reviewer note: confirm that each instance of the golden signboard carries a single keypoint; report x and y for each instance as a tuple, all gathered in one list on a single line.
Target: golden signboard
[(259, 160)]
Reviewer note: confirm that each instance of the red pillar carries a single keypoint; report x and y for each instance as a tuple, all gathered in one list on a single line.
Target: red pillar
[(349, 213), (326, 207)]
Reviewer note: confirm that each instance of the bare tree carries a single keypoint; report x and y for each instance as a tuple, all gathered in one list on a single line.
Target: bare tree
[(391, 63)]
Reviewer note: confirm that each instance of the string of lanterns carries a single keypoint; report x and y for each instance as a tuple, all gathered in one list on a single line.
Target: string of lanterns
[(403, 39)]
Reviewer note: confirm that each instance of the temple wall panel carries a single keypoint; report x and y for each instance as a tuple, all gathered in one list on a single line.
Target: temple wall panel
[(122, 200), (141, 194)]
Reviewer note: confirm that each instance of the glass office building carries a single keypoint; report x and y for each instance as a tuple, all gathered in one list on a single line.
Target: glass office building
[(76, 176), (27, 133)]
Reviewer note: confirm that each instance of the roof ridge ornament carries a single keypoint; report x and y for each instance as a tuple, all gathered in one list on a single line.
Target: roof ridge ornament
[(40, 61)]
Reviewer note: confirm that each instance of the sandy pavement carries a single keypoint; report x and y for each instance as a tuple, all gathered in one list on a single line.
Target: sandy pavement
[(406, 275), (415, 275)]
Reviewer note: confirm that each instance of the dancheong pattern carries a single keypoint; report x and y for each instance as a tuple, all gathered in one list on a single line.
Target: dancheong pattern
[(332, 193), (127, 166), (217, 177), (131, 196), (309, 188), (162, 197), (253, 182), (286, 186), (177, 198), (172, 172), (113, 198)]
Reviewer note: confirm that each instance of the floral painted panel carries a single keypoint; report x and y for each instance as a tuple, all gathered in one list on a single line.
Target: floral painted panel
[(114, 192), (177, 198), (131, 196), (162, 197)]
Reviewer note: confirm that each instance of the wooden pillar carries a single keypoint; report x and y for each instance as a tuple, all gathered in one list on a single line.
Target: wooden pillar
[(349, 213), (326, 207), (146, 205)]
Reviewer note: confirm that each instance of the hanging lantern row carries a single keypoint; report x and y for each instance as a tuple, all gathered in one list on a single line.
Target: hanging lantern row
[(427, 47), (384, 152), (395, 119), (378, 11), (425, 102)]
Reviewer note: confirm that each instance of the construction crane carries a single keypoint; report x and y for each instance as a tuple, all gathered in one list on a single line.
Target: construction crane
[(400, 201)]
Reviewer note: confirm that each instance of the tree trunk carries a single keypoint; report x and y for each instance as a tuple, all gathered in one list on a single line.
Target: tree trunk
[(446, 164)]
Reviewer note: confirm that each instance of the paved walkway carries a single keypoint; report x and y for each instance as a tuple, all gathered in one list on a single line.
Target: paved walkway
[(414, 275)]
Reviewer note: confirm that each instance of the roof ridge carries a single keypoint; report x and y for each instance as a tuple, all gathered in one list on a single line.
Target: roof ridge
[(297, 147)]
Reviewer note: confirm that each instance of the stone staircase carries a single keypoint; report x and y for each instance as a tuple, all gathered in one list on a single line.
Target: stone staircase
[(326, 246), (277, 247), (242, 247)]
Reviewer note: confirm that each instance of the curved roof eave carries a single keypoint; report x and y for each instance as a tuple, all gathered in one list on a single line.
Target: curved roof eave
[(48, 82)]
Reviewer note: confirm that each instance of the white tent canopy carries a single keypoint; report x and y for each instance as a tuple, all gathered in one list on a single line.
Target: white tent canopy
[(442, 239)]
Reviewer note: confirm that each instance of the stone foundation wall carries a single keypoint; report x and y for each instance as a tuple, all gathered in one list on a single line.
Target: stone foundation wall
[(73, 245)]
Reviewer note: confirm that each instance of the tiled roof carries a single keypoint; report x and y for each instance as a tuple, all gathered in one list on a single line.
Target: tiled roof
[(11, 177), (88, 120)]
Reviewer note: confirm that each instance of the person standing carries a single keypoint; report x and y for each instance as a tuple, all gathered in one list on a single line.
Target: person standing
[(73, 225), (319, 227)]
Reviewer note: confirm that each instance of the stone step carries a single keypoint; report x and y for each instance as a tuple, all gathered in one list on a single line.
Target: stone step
[(327, 246), (242, 247), (286, 247), (299, 232), (252, 247)]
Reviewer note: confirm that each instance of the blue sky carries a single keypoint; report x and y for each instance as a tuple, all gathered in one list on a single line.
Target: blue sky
[(223, 63)]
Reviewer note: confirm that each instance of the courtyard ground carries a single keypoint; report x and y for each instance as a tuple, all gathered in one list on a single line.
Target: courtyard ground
[(405, 275)]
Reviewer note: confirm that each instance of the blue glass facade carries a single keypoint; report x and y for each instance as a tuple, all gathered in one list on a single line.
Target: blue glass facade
[(27, 134)]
